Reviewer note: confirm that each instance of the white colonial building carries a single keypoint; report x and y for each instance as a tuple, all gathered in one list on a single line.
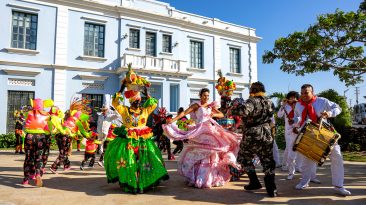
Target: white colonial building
[(62, 48)]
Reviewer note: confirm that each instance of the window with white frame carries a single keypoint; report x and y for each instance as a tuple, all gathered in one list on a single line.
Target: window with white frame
[(196, 54), (150, 44), (134, 38), (94, 39), (174, 97), (235, 60), (167, 43), (24, 30)]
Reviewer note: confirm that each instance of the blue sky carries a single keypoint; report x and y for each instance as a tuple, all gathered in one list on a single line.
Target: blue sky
[(274, 19)]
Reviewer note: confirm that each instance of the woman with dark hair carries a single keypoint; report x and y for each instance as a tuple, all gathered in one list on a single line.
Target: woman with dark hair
[(204, 161)]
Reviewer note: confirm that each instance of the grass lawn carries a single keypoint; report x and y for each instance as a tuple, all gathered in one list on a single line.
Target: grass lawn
[(354, 156)]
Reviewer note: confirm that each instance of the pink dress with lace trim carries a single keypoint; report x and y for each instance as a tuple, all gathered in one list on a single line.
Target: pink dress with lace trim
[(204, 161)]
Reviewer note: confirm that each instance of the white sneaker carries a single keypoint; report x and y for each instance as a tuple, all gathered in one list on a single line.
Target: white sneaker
[(315, 181), (290, 177), (100, 163), (342, 191), (301, 186)]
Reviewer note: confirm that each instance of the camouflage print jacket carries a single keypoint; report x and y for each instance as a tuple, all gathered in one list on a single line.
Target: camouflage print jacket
[(255, 111)]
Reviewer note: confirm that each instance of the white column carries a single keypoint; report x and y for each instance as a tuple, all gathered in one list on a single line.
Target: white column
[(217, 63), (253, 66), (59, 90), (61, 35)]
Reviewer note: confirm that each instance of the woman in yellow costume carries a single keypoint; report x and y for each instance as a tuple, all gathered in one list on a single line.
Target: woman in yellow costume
[(133, 159)]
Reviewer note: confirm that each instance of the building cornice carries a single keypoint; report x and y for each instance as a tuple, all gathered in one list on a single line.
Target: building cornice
[(156, 72), (241, 85), (121, 11), (62, 67)]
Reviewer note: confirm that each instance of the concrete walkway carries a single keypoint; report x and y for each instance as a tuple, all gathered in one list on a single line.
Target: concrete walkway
[(90, 187)]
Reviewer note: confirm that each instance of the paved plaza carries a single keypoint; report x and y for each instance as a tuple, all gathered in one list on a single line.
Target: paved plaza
[(90, 187)]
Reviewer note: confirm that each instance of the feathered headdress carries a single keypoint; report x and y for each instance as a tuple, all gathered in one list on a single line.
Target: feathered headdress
[(225, 87), (80, 108)]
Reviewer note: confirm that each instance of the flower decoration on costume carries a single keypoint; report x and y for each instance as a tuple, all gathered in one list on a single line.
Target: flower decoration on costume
[(121, 163), (225, 87)]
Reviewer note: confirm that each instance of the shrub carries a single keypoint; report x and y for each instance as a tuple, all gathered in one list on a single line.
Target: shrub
[(280, 137), (7, 140), (353, 147)]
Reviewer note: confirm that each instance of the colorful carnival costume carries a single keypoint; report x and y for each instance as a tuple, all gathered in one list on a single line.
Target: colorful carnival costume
[(36, 128), (91, 147), (55, 127), (75, 124), (133, 159), (19, 133), (162, 141), (204, 161)]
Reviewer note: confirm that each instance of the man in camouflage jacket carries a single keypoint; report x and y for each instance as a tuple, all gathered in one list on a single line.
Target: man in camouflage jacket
[(256, 113)]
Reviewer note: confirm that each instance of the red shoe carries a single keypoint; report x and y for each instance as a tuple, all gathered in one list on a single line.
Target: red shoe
[(171, 157), (25, 182)]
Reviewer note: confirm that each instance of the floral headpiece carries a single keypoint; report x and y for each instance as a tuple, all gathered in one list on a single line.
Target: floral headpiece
[(225, 87)]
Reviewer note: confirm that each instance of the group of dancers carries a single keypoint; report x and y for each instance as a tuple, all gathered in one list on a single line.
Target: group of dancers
[(220, 142)]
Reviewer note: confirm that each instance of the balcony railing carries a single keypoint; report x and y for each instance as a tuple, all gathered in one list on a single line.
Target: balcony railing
[(154, 63)]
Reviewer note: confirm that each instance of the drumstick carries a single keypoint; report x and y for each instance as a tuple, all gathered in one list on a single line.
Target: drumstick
[(321, 123)]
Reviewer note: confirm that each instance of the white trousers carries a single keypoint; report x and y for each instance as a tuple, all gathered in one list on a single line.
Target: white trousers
[(337, 169), (291, 157), (102, 137)]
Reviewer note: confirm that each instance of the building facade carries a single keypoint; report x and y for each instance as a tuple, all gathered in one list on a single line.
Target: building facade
[(60, 49)]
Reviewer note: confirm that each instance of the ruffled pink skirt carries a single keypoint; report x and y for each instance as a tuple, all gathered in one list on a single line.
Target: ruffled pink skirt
[(204, 161)]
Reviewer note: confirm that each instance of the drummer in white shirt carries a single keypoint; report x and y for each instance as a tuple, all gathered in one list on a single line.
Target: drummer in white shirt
[(313, 107)]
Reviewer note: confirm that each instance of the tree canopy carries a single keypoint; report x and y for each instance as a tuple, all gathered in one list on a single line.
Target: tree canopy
[(334, 43), (343, 119)]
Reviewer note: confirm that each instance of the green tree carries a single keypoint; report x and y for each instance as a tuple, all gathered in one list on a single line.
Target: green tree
[(334, 43), (343, 119), (279, 97)]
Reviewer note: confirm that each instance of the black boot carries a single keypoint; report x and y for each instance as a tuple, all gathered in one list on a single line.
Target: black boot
[(269, 181), (253, 182)]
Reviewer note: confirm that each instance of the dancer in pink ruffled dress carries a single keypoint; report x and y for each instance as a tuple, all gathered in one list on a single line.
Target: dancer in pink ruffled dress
[(204, 161)]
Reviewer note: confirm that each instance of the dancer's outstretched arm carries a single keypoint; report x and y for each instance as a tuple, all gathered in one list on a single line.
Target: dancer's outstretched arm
[(191, 108)]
